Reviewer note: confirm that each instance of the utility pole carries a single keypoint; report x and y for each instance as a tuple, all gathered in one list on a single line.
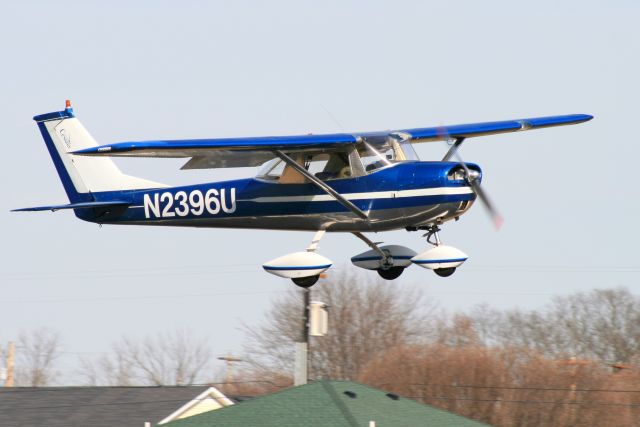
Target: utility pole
[(229, 360), (302, 346), (11, 354)]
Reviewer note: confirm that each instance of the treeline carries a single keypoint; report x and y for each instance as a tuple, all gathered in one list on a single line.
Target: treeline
[(575, 362), (170, 358)]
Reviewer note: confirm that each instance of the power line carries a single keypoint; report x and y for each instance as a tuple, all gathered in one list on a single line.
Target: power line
[(53, 389), (199, 269), (128, 269), (594, 390), (141, 297), (544, 402), (124, 274), (551, 269), (465, 399), (63, 388)]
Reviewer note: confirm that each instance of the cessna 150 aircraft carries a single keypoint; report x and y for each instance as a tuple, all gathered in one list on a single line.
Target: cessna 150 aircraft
[(345, 182)]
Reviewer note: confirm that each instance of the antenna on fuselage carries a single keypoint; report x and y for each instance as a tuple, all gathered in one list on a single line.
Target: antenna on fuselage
[(331, 116)]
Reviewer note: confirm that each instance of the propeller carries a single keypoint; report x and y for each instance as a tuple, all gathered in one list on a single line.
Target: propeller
[(472, 179)]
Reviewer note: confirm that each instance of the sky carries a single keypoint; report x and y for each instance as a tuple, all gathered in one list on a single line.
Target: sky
[(196, 69)]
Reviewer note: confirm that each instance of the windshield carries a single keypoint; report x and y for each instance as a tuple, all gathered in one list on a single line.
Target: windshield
[(380, 155)]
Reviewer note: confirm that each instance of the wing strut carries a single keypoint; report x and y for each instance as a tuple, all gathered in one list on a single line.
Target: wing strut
[(319, 183), (454, 148)]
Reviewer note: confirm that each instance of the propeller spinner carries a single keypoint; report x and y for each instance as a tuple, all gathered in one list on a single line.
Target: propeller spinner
[(472, 179)]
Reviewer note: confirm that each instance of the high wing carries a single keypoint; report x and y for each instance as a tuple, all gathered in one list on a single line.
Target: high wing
[(203, 147), (489, 128), (222, 152), (252, 151)]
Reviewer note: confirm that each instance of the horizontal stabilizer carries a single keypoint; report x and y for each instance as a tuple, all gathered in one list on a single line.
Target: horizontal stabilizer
[(81, 205)]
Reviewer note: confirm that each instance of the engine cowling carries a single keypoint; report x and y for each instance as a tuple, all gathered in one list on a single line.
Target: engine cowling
[(440, 257), (371, 260), (298, 264)]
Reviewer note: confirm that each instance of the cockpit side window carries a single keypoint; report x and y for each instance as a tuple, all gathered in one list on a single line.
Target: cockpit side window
[(366, 157), (329, 166), (326, 166)]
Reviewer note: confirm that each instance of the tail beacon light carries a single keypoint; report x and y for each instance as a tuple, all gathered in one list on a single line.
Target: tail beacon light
[(297, 265), (400, 256), (442, 259)]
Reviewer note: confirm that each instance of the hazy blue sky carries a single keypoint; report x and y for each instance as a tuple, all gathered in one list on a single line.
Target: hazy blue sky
[(159, 69)]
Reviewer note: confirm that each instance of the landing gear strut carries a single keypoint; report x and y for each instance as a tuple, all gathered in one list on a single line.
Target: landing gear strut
[(309, 281)]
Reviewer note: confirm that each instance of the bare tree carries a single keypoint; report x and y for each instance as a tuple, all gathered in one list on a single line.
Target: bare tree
[(166, 359), (505, 386), (115, 369), (366, 316), (601, 324), (36, 355)]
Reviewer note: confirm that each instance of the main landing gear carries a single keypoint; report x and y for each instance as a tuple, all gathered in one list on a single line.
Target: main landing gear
[(391, 260), (303, 268)]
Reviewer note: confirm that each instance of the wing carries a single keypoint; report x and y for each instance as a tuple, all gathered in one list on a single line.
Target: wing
[(222, 152), (440, 133), (252, 151), (203, 147)]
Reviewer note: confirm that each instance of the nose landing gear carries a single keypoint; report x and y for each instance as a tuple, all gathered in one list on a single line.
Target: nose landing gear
[(442, 259)]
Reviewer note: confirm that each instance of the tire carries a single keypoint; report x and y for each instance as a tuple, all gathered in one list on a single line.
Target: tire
[(306, 282), (391, 273), (445, 272)]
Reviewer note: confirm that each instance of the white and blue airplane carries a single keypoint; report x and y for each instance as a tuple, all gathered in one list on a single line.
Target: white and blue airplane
[(345, 182)]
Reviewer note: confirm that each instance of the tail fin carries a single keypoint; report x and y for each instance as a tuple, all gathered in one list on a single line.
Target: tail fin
[(81, 176)]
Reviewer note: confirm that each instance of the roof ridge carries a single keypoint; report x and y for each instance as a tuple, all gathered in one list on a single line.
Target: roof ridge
[(412, 401), (346, 413)]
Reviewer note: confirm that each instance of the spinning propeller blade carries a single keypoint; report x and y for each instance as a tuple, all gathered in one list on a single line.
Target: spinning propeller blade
[(489, 206)]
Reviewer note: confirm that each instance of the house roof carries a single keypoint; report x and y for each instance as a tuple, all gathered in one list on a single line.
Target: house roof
[(92, 406), (331, 404)]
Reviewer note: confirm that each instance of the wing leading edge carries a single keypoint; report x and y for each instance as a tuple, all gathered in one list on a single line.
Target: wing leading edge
[(236, 152), (491, 128)]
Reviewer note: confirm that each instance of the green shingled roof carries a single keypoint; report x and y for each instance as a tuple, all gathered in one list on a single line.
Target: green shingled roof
[(324, 403)]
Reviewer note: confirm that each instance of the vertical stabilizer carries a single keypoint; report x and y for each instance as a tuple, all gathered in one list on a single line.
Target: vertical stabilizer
[(81, 176)]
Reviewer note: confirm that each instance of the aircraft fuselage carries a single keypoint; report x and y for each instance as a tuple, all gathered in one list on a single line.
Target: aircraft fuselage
[(405, 194)]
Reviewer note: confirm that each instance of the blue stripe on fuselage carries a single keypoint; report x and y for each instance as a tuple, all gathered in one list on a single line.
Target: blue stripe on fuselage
[(399, 177)]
